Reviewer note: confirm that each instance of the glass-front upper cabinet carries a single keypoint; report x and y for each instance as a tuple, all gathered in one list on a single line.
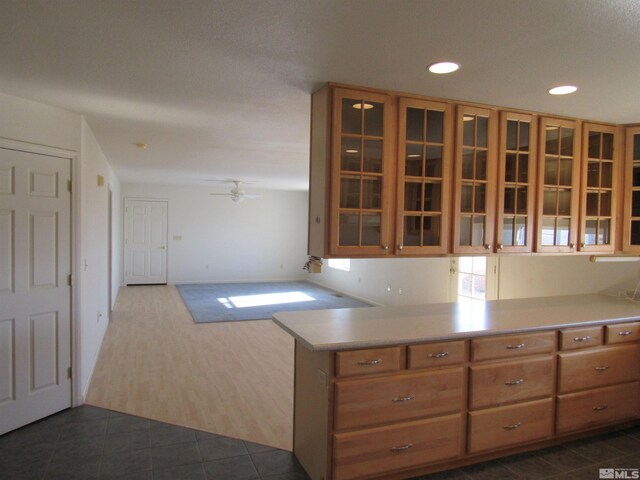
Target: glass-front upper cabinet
[(516, 183), (424, 177), (362, 173), (631, 225), (599, 192), (475, 176), (558, 185)]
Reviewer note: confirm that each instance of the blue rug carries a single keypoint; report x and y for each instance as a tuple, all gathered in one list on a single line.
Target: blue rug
[(229, 302)]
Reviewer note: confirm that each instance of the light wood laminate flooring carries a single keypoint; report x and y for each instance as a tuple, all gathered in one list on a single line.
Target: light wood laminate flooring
[(232, 378)]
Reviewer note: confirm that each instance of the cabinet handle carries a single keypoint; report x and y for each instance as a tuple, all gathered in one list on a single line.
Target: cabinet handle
[(602, 369), (438, 355), (385, 247), (582, 245), (500, 246), (520, 381), (402, 448), (487, 246), (400, 247), (599, 408), (572, 246), (582, 339), (403, 399), (513, 426), (377, 361), (624, 334), (515, 347)]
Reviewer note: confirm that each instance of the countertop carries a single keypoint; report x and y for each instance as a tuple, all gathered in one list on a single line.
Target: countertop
[(350, 328)]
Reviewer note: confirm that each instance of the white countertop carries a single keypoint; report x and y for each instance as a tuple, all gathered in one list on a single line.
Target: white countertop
[(349, 328)]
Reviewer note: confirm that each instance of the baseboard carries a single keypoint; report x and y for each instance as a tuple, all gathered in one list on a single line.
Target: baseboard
[(345, 292), (262, 280)]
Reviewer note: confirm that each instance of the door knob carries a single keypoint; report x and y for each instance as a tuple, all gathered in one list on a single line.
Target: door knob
[(385, 247), (400, 247)]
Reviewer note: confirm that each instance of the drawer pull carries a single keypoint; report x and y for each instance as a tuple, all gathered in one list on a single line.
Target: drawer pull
[(520, 381), (599, 408), (515, 347), (625, 333), (403, 399), (377, 361), (438, 355), (586, 338), (402, 448), (602, 369), (513, 426)]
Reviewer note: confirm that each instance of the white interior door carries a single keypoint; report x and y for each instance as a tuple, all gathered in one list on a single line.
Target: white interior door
[(145, 242), (35, 297)]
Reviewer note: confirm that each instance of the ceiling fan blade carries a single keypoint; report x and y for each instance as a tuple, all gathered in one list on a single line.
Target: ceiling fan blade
[(222, 194), (252, 196)]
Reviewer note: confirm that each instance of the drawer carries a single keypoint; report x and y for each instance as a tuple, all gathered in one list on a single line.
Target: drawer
[(496, 384), (508, 346), (395, 447), (598, 368), (435, 354), (506, 426), (575, 338), (373, 360), (577, 411), (623, 332), (373, 401)]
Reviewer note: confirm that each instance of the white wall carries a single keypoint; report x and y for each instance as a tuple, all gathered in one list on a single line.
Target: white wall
[(260, 239)]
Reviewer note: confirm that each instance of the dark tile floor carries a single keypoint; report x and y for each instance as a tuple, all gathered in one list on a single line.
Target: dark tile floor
[(88, 443)]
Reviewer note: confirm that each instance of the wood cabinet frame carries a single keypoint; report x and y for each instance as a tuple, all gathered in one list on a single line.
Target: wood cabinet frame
[(627, 247)]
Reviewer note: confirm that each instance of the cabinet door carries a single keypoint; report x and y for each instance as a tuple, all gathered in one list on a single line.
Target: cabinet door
[(598, 193), (516, 183), (362, 173), (475, 176), (631, 226), (558, 185), (424, 166)]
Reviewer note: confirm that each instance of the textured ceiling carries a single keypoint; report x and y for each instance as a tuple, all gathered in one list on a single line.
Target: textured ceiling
[(221, 88)]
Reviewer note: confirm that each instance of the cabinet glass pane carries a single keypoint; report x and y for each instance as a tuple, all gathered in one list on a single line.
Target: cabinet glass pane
[(509, 200), (413, 160), (415, 124), (590, 232), (636, 147), (411, 232), (372, 193), (432, 197), (593, 174), (467, 163), (564, 202), (482, 131), (607, 146), (372, 156), (466, 198), (507, 231), (468, 130), (351, 116), (521, 231), (635, 232), (348, 234), (606, 174), (371, 229), (413, 196), (604, 232), (433, 164), (562, 232), (431, 231), (350, 192), (350, 154), (373, 119), (636, 175), (478, 231), (594, 144), (548, 231), (481, 165), (523, 144), (465, 231), (605, 204), (523, 168), (521, 200), (435, 126), (592, 204), (635, 204), (512, 135), (566, 142), (479, 205), (550, 199), (510, 167), (565, 172), (551, 171), (552, 141)]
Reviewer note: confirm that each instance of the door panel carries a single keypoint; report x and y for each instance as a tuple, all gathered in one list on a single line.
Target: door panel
[(145, 242)]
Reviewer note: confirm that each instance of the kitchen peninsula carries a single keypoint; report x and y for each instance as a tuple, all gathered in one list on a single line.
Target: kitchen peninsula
[(395, 392)]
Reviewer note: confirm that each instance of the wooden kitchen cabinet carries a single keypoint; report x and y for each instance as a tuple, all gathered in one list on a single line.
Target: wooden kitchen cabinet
[(631, 216)]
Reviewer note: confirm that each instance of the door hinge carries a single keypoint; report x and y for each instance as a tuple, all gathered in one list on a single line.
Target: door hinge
[(69, 370), (69, 185), (69, 279)]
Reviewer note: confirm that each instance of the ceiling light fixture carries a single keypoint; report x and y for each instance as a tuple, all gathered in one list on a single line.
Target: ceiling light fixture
[(563, 90), (361, 105), (141, 146), (443, 67)]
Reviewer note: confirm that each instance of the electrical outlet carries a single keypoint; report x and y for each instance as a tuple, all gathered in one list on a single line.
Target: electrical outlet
[(400, 291), (99, 317), (322, 378)]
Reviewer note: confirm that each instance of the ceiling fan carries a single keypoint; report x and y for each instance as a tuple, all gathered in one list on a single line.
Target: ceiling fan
[(237, 194)]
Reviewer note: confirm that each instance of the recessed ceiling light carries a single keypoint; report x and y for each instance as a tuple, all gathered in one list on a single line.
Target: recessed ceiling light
[(443, 67), (563, 90), (141, 146), (362, 105)]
